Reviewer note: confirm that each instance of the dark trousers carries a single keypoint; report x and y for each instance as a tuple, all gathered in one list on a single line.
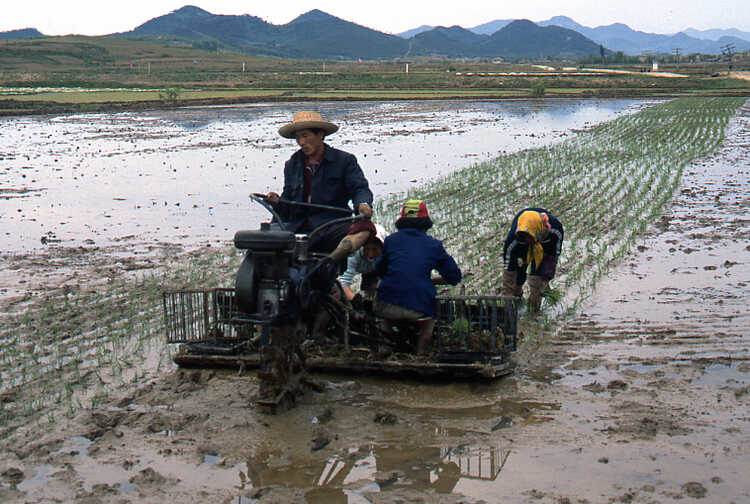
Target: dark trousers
[(328, 238)]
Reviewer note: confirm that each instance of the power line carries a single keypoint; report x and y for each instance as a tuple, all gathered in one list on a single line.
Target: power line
[(727, 49)]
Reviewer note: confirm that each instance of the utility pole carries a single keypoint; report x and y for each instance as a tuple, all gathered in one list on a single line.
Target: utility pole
[(726, 50), (676, 52)]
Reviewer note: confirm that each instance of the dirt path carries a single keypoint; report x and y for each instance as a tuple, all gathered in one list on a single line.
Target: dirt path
[(642, 398)]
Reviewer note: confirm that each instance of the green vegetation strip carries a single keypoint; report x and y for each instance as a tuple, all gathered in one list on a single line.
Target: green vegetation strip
[(94, 96), (606, 185), (72, 349)]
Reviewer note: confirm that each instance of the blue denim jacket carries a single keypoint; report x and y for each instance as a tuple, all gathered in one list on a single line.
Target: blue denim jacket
[(406, 265), (338, 180)]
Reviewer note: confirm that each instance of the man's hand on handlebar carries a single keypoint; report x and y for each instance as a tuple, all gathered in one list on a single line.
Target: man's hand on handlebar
[(272, 198), (364, 210)]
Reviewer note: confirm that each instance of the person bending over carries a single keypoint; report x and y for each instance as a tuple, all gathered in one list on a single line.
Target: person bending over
[(534, 243)]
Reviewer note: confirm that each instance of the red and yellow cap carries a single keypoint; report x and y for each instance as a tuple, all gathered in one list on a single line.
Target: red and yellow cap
[(414, 209)]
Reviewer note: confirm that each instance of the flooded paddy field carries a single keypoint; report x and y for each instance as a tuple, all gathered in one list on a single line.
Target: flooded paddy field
[(183, 176), (641, 397)]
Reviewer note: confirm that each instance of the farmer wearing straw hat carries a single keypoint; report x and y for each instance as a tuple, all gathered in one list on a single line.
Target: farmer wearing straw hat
[(535, 241), (318, 173), (407, 290)]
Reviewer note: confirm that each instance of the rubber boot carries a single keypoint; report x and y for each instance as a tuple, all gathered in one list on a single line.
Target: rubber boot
[(537, 286), (510, 288)]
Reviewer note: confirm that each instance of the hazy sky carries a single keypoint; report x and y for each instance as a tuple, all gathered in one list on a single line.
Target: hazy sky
[(98, 17)]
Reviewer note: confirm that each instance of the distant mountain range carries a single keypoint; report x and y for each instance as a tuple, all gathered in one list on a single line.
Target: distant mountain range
[(716, 34), (314, 34), (318, 35), (620, 37), (26, 33)]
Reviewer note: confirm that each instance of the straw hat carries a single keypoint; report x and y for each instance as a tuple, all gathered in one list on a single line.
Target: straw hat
[(307, 119)]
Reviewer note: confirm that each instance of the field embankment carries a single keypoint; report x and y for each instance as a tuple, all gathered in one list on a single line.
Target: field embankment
[(91, 74)]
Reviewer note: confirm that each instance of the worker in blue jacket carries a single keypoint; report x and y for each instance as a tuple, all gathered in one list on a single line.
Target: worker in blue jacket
[(320, 174), (407, 289)]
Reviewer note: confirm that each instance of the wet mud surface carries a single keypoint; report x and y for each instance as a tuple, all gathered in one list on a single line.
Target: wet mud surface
[(643, 397)]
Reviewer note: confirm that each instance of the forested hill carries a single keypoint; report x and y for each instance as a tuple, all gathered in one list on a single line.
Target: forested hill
[(26, 33), (317, 34)]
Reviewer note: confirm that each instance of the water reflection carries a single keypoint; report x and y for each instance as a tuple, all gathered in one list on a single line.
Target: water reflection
[(376, 467), (719, 374), (183, 176), (41, 476)]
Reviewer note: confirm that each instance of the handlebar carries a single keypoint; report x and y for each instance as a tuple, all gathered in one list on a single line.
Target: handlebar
[(352, 219), (260, 198), (257, 196)]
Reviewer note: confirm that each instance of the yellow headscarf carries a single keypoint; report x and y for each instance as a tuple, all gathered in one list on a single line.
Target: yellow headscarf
[(535, 225)]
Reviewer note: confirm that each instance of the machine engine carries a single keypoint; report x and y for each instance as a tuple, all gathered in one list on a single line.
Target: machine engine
[(277, 281)]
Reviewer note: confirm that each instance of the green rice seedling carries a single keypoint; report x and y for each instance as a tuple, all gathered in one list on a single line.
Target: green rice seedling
[(605, 185), (553, 296)]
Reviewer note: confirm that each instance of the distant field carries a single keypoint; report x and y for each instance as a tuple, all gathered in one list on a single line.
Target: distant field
[(95, 96), (100, 73)]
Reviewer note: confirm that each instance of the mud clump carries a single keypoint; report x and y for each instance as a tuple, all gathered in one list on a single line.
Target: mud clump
[(582, 365), (695, 490), (101, 490), (323, 417), (320, 440), (385, 418), (645, 422), (504, 423), (12, 475), (594, 387), (617, 385)]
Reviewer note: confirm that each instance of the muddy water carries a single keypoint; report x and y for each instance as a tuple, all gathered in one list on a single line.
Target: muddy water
[(140, 179), (655, 369), (642, 398)]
